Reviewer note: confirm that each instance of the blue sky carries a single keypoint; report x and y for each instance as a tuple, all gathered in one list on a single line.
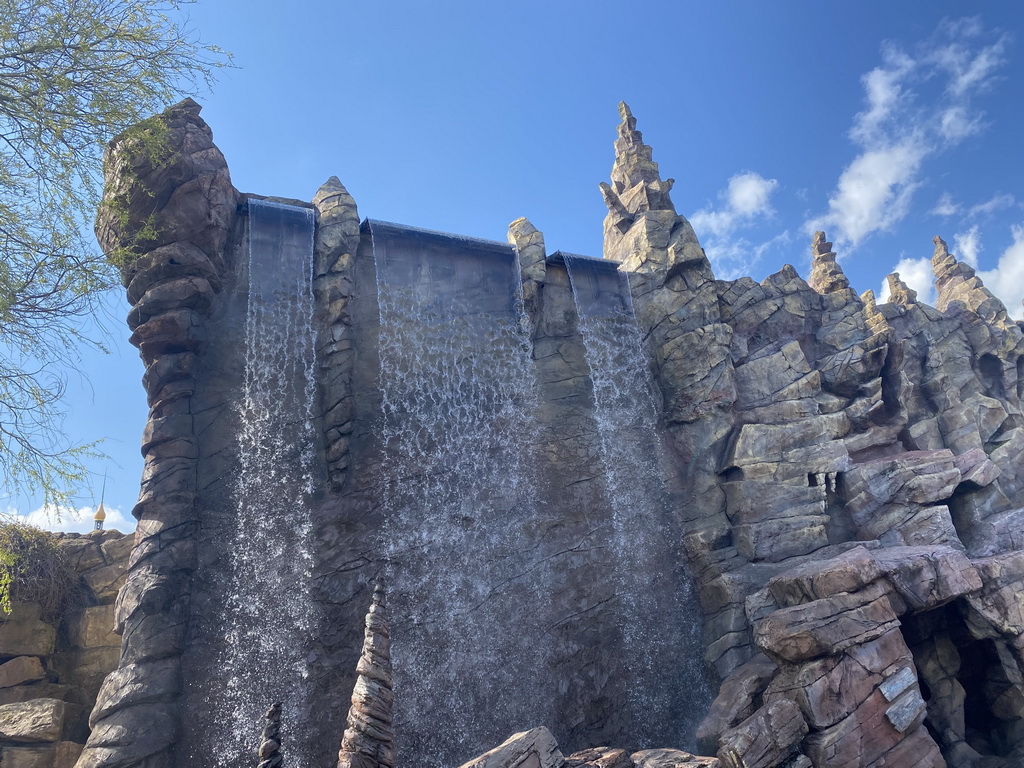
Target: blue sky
[(882, 123)]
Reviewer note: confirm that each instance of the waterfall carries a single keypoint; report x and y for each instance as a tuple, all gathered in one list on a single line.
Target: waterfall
[(626, 416), (458, 422), (269, 610)]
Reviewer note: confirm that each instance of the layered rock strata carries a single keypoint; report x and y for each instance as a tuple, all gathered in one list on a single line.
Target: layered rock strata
[(844, 477), (369, 740), (165, 217), (854, 488), (51, 666)]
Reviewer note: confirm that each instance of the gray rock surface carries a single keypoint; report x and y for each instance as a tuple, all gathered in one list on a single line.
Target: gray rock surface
[(844, 478)]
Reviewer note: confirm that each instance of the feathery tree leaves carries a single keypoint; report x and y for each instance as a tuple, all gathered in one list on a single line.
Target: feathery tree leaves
[(73, 74)]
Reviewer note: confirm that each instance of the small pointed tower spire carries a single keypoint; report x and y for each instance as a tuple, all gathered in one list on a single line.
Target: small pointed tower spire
[(369, 740), (270, 746), (826, 274), (957, 283), (101, 514)]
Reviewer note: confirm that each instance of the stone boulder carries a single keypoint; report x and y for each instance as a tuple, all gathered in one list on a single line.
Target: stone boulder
[(535, 748)]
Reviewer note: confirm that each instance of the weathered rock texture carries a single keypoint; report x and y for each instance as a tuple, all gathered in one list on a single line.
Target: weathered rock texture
[(369, 740), (167, 217), (51, 667), (844, 477), (854, 469)]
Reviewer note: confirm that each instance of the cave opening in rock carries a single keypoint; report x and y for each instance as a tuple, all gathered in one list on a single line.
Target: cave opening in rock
[(966, 682)]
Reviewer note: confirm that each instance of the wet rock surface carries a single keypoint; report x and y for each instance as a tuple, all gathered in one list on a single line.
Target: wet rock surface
[(844, 477)]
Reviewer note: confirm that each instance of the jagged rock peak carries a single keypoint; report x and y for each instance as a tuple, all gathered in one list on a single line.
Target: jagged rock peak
[(899, 291), (956, 284), (270, 746), (636, 183), (826, 274), (369, 740)]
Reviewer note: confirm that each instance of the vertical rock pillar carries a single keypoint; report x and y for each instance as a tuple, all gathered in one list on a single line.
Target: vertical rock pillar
[(165, 218), (369, 740), (337, 238)]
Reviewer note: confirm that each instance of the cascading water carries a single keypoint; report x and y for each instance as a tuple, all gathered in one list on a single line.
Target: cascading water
[(634, 469), (269, 610), (459, 397)]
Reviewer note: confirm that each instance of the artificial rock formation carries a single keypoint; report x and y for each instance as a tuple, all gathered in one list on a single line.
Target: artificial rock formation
[(369, 740), (270, 745), (853, 472), (841, 482)]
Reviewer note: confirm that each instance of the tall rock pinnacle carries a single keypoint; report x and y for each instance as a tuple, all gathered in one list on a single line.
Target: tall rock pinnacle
[(369, 740), (642, 229), (270, 747), (826, 274), (957, 283)]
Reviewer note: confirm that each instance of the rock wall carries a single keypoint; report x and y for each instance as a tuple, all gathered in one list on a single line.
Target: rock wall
[(855, 516), (843, 483), (51, 667)]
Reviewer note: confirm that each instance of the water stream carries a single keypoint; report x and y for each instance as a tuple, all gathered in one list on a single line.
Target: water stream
[(459, 402), (269, 611), (655, 615)]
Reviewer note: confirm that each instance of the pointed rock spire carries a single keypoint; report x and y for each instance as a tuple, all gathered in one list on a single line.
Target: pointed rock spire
[(957, 283), (529, 244), (642, 229), (270, 747), (899, 291), (636, 184), (369, 740), (826, 274)]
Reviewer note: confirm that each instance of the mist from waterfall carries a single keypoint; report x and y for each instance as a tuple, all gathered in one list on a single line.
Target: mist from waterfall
[(269, 612), (458, 423), (626, 416)]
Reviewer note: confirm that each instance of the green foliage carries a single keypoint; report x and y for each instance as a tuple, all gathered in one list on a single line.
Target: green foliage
[(35, 569), (73, 74)]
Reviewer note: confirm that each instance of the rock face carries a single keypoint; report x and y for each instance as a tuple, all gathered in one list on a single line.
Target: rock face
[(369, 740), (51, 667), (842, 479), (853, 477)]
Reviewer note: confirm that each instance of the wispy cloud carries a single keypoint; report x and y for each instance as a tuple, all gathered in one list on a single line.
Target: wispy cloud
[(898, 131), (947, 206), (968, 245), (70, 519), (746, 201)]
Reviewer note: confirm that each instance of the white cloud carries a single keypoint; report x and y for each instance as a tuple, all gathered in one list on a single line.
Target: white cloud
[(918, 275), (746, 200), (747, 197), (1006, 280), (998, 202), (899, 129), (967, 245), (945, 206), (873, 193), (68, 519), (883, 89), (955, 124)]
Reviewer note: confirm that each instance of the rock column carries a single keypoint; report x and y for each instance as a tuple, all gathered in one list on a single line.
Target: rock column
[(369, 740), (165, 217)]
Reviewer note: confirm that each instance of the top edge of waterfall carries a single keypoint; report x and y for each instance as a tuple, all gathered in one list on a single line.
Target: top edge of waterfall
[(561, 257), (376, 225), (270, 203)]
